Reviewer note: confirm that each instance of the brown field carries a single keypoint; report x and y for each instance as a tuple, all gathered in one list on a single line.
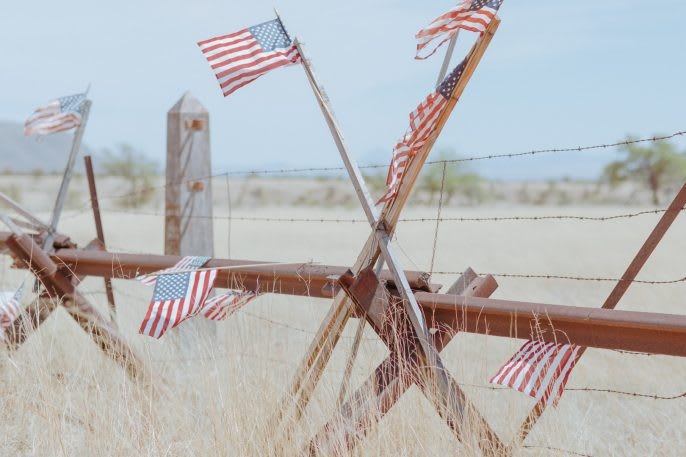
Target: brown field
[(61, 396)]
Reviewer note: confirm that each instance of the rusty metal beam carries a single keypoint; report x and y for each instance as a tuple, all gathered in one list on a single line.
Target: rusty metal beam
[(305, 279), (58, 286), (654, 333), (593, 327)]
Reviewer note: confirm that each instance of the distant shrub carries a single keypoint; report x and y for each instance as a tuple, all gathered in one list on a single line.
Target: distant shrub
[(136, 169)]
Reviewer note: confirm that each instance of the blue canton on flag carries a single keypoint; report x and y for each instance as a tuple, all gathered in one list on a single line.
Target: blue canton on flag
[(270, 35), (171, 287), (447, 87)]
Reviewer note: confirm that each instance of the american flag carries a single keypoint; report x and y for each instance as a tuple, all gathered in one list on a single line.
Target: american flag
[(473, 15), (242, 57), (10, 307), (539, 370), (56, 116), (176, 298), (222, 306), (423, 122), (187, 263)]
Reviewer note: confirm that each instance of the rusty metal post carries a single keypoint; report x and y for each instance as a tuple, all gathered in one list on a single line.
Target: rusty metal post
[(100, 233)]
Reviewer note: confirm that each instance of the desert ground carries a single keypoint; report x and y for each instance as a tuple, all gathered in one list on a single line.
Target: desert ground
[(62, 396)]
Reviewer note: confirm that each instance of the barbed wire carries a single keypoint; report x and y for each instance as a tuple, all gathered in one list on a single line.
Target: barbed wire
[(570, 278), (306, 170), (591, 389), (561, 217)]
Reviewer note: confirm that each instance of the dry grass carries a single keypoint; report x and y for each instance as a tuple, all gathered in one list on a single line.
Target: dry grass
[(61, 396)]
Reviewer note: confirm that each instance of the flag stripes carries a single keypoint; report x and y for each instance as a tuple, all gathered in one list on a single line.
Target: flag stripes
[(472, 15), (241, 57), (422, 122), (56, 116), (539, 369), (222, 306), (10, 308)]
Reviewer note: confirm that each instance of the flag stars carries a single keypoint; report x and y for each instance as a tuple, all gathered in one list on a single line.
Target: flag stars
[(171, 287), (270, 35)]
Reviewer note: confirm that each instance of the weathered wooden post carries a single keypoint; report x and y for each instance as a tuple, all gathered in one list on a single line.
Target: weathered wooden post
[(188, 216)]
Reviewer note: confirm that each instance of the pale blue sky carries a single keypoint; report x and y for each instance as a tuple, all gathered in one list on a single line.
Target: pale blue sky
[(557, 74)]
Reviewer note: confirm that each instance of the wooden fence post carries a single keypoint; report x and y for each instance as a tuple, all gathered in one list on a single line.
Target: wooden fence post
[(188, 214)]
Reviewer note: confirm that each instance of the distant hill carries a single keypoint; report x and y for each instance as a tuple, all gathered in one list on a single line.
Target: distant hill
[(25, 154)]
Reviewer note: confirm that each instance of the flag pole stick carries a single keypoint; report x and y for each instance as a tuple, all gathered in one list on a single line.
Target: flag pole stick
[(448, 56), (5, 200), (366, 201), (66, 178)]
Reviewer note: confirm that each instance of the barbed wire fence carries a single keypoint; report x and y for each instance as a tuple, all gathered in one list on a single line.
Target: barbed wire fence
[(438, 220)]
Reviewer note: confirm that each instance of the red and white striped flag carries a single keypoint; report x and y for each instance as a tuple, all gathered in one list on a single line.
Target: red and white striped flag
[(10, 307), (242, 57), (56, 116), (187, 263), (423, 121), (473, 15), (177, 297), (222, 306), (539, 369)]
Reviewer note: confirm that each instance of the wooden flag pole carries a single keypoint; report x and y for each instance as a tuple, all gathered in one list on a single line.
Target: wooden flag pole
[(66, 178), (620, 289), (33, 220), (366, 200), (446, 61)]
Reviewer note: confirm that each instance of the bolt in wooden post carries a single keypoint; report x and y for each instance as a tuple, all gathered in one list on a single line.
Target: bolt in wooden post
[(188, 216)]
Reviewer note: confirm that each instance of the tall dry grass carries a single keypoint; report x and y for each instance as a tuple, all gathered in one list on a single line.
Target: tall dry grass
[(62, 396)]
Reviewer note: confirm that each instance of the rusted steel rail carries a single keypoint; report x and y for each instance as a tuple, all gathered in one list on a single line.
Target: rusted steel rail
[(593, 327), (297, 279), (654, 333)]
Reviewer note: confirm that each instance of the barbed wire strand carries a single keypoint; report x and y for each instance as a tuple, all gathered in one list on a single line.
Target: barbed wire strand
[(561, 217), (592, 389), (438, 220), (305, 170), (571, 278)]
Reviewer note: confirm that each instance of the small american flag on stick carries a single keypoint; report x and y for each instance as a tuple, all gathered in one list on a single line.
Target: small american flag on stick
[(10, 307), (539, 369), (240, 58), (222, 306), (473, 15), (56, 116), (176, 297), (423, 122)]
